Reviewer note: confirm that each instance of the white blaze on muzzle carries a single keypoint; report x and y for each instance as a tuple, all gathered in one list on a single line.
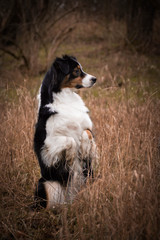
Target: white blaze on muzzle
[(88, 80)]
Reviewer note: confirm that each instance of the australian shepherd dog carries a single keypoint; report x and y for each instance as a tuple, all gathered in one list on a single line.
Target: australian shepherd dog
[(63, 140)]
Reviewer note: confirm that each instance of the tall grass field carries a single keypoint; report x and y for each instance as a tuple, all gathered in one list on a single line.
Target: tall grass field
[(121, 203)]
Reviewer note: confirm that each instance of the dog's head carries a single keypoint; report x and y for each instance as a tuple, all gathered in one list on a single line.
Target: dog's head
[(73, 75), (65, 72)]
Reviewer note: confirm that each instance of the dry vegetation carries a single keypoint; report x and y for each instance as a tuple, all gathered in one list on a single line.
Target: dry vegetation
[(123, 200), (122, 203)]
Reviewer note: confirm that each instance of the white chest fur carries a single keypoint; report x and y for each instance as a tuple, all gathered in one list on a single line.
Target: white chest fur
[(72, 115)]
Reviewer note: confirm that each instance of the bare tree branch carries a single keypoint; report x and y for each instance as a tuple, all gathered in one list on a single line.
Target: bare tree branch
[(9, 53), (6, 14), (61, 17), (60, 37)]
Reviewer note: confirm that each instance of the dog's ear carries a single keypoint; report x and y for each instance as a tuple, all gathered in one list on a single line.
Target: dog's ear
[(62, 64)]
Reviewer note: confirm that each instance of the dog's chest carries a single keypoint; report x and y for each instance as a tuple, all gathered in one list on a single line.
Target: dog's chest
[(71, 112)]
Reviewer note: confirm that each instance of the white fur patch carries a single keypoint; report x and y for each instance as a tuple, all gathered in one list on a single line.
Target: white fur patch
[(55, 193), (64, 129), (86, 81), (39, 99), (53, 148)]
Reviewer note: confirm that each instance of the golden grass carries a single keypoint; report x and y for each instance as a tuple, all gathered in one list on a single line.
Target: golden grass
[(121, 203)]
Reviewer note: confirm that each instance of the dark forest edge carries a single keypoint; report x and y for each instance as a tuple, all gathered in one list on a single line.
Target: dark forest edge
[(30, 27)]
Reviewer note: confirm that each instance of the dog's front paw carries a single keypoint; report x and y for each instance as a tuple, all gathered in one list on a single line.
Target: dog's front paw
[(86, 143), (89, 133), (86, 138)]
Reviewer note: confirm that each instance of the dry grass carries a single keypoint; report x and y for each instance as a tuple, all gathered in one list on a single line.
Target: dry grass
[(122, 203)]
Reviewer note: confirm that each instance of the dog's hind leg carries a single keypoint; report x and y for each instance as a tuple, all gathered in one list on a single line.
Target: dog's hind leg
[(48, 194), (55, 193)]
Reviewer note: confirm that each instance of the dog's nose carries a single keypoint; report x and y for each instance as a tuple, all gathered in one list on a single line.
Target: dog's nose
[(93, 79)]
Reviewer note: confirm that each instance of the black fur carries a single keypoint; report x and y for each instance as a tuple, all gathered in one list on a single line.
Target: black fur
[(40, 195)]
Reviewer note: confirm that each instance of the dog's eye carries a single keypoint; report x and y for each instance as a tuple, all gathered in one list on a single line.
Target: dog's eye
[(77, 72)]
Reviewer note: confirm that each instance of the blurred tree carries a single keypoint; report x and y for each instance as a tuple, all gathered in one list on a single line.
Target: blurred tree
[(139, 21), (30, 28)]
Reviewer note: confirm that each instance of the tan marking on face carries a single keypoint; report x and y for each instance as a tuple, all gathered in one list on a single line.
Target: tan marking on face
[(73, 83), (75, 69)]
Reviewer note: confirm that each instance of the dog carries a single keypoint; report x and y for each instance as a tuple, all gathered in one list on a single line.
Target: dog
[(63, 139)]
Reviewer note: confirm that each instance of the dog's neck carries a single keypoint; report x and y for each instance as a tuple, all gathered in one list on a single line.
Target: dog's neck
[(67, 99), (67, 95)]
